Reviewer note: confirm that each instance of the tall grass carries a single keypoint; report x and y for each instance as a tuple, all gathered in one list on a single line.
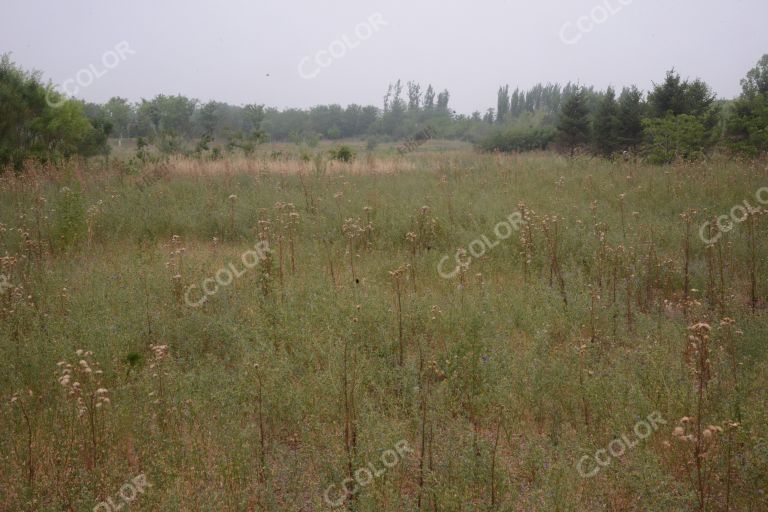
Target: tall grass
[(544, 349)]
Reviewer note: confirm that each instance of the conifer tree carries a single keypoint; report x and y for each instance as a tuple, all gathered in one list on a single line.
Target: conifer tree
[(606, 124), (573, 127), (630, 118)]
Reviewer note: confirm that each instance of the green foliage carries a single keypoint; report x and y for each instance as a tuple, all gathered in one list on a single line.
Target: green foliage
[(31, 128), (96, 138), (246, 142), (166, 115), (747, 128), (502, 104), (606, 125), (168, 142), (38, 123), (342, 153), (573, 127), (208, 118), (630, 117), (69, 226), (203, 146), (674, 137), (120, 113), (65, 127), (756, 81), (517, 139), (682, 97), (676, 96)]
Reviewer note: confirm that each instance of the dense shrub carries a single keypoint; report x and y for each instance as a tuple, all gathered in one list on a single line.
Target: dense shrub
[(517, 139), (674, 137), (342, 153)]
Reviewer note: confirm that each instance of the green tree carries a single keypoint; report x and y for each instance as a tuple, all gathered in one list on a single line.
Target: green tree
[(429, 98), (121, 114), (166, 115), (747, 128), (756, 81), (95, 141), (442, 100), (414, 96), (606, 125), (672, 137), (668, 97), (573, 127), (38, 123), (630, 118), (208, 119), (676, 97), (502, 104)]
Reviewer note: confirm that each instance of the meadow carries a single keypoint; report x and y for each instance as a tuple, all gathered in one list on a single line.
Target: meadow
[(602, 357)]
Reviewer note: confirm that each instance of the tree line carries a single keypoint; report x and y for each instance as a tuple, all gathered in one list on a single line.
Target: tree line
[(676, 119)]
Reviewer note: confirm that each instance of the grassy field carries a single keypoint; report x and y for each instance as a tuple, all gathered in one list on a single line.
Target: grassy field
[(592, 353)]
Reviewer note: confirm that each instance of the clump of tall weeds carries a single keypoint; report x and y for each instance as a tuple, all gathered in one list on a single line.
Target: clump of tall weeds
[(397, 278), (22, 401), (84, 389), (701, 442), (352, 233)]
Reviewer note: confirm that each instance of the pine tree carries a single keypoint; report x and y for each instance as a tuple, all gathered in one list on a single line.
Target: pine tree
[(630, 117), (573, 126), (676, 96), (605, 135)]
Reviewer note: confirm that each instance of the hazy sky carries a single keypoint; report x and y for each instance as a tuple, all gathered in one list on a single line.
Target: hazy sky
[(225, 50)]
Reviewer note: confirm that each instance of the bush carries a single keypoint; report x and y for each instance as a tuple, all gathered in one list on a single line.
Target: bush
[(517, 139), (342, 153), (673, 137)]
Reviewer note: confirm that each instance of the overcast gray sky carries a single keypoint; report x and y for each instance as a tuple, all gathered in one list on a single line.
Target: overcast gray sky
[(225, 49)]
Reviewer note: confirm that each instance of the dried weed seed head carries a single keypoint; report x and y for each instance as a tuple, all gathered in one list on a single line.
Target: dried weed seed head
[(159, 353), (398, 273), (82, 383), (697, 352)]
